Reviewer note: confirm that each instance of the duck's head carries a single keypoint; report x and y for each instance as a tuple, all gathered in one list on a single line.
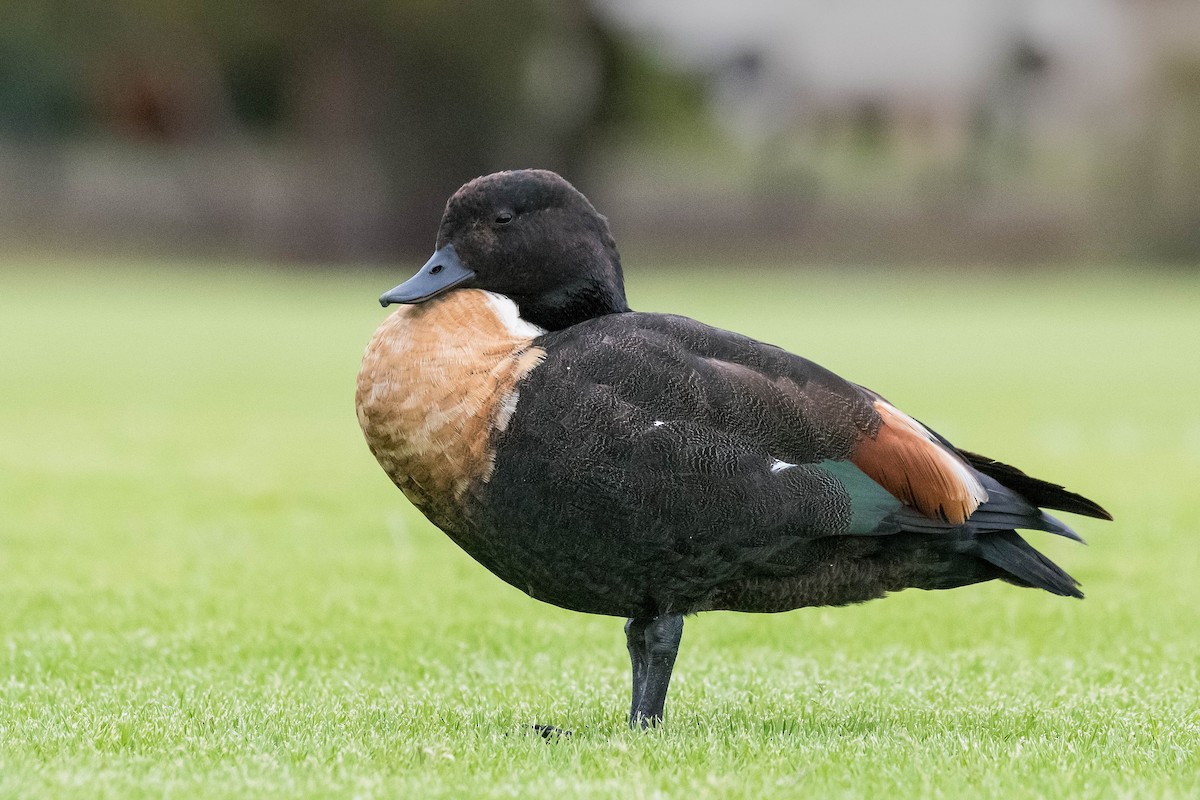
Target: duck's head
[(528, 235)]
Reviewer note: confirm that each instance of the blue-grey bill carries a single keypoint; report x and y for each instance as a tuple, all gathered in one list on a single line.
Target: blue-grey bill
[(441, 273)]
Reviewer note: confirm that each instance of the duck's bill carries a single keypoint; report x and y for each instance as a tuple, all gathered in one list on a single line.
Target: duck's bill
[(441, 273)]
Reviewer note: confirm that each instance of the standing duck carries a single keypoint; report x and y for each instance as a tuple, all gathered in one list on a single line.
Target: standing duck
[(649, 466)]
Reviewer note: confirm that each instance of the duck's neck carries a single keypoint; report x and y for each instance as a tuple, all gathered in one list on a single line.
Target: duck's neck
[(572, 305)]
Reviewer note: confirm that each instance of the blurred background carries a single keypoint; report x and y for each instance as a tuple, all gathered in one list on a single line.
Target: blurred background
[(859, 130), (988, 210)]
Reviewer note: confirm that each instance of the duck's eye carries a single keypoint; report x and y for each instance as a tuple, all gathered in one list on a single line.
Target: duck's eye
[(503, 218)]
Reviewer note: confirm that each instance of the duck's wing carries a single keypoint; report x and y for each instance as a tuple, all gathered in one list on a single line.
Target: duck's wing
[(684, 389)]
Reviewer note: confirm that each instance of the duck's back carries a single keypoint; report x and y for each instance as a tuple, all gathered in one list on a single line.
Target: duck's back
[(656, 464)]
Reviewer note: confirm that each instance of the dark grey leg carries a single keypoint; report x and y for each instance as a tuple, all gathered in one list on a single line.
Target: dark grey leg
[(635, 640), (653, 644)]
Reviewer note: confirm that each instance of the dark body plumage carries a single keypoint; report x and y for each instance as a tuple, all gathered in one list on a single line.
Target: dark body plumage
[(649, 466), (658, 435)]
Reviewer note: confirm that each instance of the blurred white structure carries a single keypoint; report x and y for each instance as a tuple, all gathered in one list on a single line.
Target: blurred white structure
[(935, 65), (949, 126)]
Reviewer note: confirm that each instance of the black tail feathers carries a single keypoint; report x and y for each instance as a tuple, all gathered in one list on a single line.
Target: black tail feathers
[(1023, 565), (1038, 492)]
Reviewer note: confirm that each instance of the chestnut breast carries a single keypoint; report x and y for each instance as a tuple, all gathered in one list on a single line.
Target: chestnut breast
[(438, 382)]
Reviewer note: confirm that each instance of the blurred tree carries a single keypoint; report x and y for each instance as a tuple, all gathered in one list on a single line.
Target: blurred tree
[(389, 106)]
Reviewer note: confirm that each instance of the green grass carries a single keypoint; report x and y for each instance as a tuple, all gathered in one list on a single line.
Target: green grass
[(208, 588)]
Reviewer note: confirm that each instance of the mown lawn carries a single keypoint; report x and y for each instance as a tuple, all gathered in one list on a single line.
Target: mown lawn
[(208, 588)]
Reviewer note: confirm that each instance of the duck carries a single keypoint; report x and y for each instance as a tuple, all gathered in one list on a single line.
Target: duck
[(649, 467)]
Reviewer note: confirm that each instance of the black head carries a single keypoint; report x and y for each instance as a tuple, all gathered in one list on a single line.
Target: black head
[(530, 236)]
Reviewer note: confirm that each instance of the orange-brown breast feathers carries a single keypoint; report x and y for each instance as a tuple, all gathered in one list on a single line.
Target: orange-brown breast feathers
[(904, 458), (437, 381)]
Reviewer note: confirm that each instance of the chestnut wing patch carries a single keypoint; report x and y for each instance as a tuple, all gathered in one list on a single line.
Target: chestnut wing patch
[(907, 460)]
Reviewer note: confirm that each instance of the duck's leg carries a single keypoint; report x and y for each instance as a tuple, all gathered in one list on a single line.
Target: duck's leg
[(653, 644), (635, 640)]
